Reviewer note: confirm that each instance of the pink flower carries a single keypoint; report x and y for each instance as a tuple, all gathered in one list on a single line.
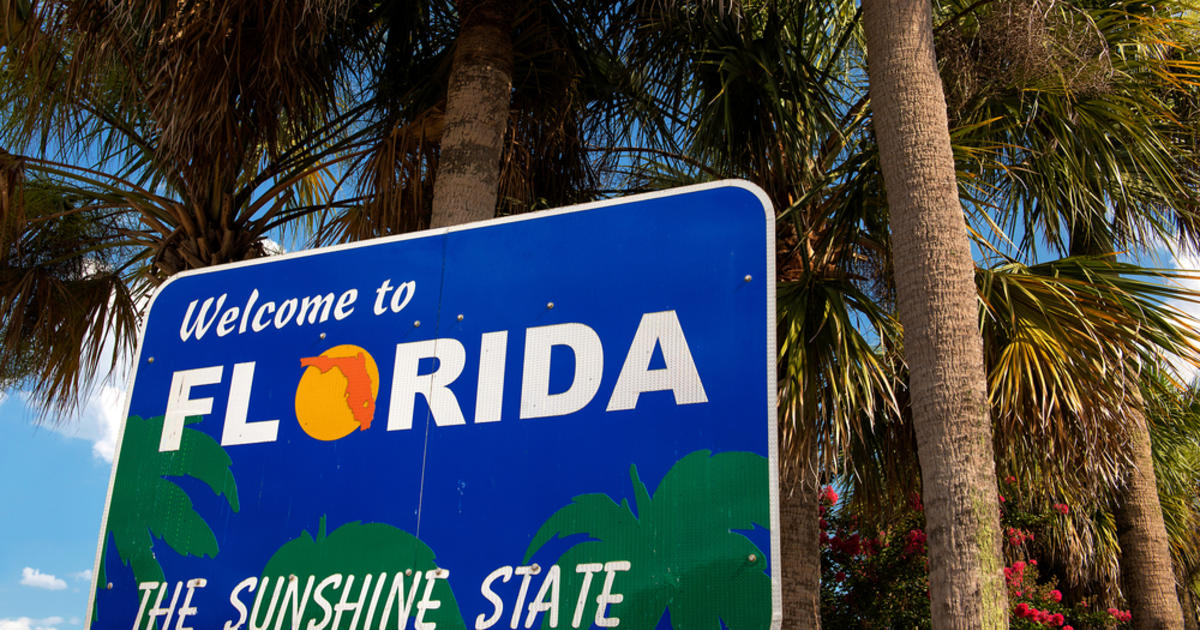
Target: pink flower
[(1002, 498), (1022, 610), (1068, 627), (830, 495), (1018, 566), (916, 541), (1056, 595), (1010, 479), (1062, 507), (1057, 619)]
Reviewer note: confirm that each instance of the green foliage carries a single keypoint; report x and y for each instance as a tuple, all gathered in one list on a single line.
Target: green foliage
[(1061, 336), (1075, 122), (60, 295), (873, 579), (683, 544), (359, 550)]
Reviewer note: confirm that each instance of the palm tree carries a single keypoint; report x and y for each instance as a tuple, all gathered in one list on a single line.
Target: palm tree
[(1040, 133), (158, 175), (1059, 336), (1175, 424), (149, 506), (569, 98), (361, 549), (759, 91), (683, 536), (936, 303), (477, 106), (199, 141)]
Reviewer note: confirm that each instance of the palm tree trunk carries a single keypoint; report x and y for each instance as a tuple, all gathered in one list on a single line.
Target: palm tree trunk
[(1147, 576), (936, 301), (477, 105), (799, 540), (1189, 604), (1147, 570)]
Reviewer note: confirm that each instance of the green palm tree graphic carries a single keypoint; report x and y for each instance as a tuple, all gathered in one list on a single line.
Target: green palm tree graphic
[(685, 551), (146, 505), (398, 562)]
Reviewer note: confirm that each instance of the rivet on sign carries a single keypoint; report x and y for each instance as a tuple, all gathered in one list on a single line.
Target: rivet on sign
[(753, 558), (747, 278), (408, 572), (109, 587), (150, 360), (322, 335), (460, 318), (417, 324), (536, 568), (549, 304), (292, 578)]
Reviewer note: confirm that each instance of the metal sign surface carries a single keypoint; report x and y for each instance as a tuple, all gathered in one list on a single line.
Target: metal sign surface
[(557, 420)]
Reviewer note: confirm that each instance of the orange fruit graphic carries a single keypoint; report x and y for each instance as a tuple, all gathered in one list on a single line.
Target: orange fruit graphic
[(337, 392)]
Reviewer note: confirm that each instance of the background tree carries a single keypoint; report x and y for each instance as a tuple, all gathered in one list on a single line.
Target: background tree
[(1041, 90), (175, 146), (760, 91)]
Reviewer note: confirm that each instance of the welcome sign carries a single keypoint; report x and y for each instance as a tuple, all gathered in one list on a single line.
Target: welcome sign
[(558, 420)]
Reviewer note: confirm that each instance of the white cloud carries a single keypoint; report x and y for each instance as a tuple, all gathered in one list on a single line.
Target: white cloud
[(83, 576), (273, 247), (32, 577), (25, 623), (98, 421)]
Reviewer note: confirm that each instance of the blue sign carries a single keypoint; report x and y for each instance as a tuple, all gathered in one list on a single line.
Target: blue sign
[(558, 420)]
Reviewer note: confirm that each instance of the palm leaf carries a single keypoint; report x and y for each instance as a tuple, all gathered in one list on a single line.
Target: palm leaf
[(147, 504), (684, 549)]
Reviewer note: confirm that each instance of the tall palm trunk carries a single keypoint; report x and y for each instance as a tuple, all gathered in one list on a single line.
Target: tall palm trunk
[(1147, 576), (477, 105), (936, 301), (799, 536), (1147, 571)]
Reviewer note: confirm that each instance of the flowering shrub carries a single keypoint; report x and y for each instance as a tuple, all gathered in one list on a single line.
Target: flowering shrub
[(876, 579), (879, 579)]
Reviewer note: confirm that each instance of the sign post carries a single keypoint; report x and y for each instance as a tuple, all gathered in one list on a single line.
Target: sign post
[(557, 420)]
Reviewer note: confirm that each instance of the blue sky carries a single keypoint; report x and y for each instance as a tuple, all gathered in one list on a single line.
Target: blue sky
[(55, 482)]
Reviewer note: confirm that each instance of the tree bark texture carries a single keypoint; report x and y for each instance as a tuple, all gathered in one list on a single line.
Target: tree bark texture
[(936, 301), (1147, 574), (477, 107), (799, 540)]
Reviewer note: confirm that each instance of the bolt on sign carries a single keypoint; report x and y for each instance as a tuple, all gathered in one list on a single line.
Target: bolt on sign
[(558, 420)]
